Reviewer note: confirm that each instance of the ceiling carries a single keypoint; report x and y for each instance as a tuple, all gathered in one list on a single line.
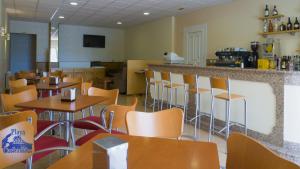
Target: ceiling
[(102, 12)]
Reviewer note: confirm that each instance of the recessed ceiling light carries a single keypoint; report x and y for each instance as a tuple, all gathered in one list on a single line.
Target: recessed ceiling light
[(146, 13), (61, 17), (119, 23), (53, 28), (74, 3), (180, 9)]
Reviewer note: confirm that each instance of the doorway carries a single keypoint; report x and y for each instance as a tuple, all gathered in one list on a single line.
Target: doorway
[(22, 52), (195, 44)]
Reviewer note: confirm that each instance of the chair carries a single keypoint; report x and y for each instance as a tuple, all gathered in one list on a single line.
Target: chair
[(245, 153), (192, 86), (43, 145), (21, 89), (58, 73), (78, 80), (164, 124), (8, 159), (112, 95), (223, 84), (9, 101), (85, 87), (167, 82), (150, 81), (97, 123), (17, 83)]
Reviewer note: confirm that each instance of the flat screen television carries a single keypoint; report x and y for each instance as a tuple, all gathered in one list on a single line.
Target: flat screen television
[(94, 41)]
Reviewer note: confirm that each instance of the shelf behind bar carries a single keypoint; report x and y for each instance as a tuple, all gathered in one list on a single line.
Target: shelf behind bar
[(272, 17), (279, 32)]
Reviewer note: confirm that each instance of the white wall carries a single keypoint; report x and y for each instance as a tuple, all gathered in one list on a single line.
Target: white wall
[(42, 32), (71, 52)]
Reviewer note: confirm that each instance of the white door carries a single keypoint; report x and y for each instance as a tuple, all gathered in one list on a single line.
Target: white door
[(195, 45)]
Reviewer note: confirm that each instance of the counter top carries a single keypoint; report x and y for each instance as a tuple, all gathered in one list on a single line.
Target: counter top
[(245, 70)]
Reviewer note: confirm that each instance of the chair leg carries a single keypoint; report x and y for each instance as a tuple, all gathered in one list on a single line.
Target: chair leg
[(176, 97), (196, 116), (162, 97), (154, 98), (185, 104), (171, 97), (211, 119), (91, 111), (199, 114), (245, 116), (158, 99), (227, 119), (146, 97), (29, 163)]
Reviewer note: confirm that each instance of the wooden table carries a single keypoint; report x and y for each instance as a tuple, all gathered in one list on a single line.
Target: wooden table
[(150, 153), (46, 86), (54, 103)]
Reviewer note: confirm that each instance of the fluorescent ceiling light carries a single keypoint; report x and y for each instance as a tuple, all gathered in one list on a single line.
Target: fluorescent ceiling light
[(53, 28), (74, 3), (61, 17), (146, 13), (119, 23)]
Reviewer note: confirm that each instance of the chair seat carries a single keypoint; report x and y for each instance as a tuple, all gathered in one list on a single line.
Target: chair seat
[(200, 90), (88, 126), (89, 136), (45, 142), (174, 85), (43, 124), (224, 96)]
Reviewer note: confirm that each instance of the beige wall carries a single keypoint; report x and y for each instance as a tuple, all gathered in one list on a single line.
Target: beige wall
[(150, 40), (236, 24)]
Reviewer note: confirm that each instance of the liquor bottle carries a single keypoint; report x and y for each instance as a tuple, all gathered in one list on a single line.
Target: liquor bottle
[(282, 27), (266, 26), (296, 24), (270, 26), (276, 26), (289, 25), (283, 63), (275, 12), (267, 12)]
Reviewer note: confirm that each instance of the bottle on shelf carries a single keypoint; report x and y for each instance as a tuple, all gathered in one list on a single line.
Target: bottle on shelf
[(267, 12), (270, 26), (275, 12), (266, 26), (278, 62), (283, 63), (282, 27), (275, 25), (296, 24), (289, 25)]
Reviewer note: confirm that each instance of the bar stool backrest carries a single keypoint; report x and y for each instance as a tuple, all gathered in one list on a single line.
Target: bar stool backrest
[(219, 83), (166, 76), (149, 75), (191, 80)]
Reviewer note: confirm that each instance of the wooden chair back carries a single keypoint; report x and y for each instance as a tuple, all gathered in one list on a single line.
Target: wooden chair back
[(17, 143), (245, 153), (85, 87), (112, 95), (11, 118), (149, 75), (21, 89), (78, 80), (25, 75), (10, 100), (190, 79), (164, 124), (57, 73), (219, 83), (17, 83), (166, 76), (119, 119)]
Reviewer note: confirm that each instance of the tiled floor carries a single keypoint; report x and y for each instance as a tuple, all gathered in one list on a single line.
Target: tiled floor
[(188, 130)]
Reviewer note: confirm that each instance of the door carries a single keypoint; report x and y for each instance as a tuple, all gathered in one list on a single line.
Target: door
[(195, 45), (22, 52)]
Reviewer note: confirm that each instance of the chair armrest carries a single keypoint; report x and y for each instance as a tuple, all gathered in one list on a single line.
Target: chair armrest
[(93, 123), (53, 149), (49, 128)]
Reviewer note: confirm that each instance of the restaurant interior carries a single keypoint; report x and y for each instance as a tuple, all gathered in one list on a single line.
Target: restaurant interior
[(149, 84)]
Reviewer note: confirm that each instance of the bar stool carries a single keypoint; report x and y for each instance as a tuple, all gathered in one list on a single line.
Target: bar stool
[(191, 84), (150, 81), (224, 85), (168, 84)]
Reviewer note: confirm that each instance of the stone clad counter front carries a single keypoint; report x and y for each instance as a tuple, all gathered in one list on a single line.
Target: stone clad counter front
[(273, 99)]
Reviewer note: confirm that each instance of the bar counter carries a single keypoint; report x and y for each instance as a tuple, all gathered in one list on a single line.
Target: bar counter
[(273, 99)]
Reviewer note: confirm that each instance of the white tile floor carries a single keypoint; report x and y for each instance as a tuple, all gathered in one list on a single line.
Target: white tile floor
[(123, 100)]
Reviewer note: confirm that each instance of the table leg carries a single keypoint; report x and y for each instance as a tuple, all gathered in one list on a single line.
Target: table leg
[(67, 132)]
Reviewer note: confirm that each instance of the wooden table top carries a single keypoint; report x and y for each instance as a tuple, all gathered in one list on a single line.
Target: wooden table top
[(46, 86), (150, 153), (54, 103)]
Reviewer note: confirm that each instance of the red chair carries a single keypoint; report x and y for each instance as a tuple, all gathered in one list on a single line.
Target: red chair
[(107, 123)]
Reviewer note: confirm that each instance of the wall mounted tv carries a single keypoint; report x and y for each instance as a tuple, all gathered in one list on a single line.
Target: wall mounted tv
[(94, 41)]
